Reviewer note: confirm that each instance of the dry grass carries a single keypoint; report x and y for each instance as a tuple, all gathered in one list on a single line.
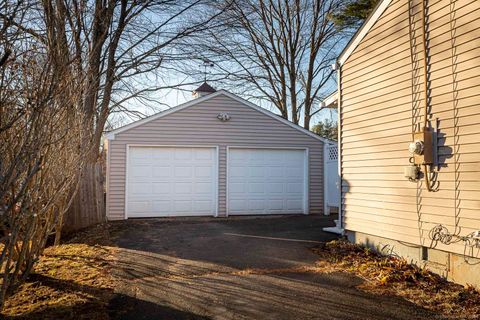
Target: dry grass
[(74, 281), (390, 275), (70, 281)]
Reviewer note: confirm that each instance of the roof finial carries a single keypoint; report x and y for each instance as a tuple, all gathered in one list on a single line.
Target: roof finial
[(206, 64)]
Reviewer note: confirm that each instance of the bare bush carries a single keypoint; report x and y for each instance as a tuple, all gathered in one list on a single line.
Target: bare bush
[(40, 152)]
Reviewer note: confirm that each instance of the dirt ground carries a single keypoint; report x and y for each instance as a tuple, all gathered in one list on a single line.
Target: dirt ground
[(202, 268)]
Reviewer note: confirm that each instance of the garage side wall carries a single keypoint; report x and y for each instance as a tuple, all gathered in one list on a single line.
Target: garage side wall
[(382, 100), (198, 125)]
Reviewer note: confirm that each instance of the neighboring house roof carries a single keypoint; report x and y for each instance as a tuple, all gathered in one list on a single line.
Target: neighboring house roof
[(363, 30), (111, 135), (205, 87)]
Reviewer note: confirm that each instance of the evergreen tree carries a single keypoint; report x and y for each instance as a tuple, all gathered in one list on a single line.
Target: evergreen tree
[(353, 13)]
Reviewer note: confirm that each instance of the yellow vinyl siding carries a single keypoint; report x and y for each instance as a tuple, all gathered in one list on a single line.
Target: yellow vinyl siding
[(377, 97)]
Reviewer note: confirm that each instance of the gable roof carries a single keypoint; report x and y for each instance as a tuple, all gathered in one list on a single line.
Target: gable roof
[(111, 135), (363, 30)]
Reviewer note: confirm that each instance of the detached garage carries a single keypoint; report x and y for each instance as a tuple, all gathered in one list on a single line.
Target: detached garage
[(216, 155)]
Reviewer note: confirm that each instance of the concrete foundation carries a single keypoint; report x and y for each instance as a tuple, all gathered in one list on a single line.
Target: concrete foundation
[(449, 265)]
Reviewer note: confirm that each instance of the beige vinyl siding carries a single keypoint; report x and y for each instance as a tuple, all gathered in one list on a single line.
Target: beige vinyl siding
[(198, 125), (378, 94)]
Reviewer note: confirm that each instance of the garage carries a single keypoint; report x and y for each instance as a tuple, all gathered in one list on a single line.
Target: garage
[(266, 181), (216, 155), (171, 181)]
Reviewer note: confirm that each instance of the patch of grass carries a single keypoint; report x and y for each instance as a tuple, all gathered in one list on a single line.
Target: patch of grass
[(391, 275), (70, 281)]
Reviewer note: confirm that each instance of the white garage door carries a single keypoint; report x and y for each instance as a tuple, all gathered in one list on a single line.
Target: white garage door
[(266, 181), (167, 181)]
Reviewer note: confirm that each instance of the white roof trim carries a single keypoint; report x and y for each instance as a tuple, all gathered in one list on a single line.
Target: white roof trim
[(330, 101), (111, 135), (277, 117), (362, 32)]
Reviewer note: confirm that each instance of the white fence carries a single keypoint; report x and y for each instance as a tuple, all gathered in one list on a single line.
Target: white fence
[(332, 185)]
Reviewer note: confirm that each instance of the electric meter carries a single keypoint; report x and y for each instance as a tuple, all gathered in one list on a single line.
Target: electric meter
[(416, 147)]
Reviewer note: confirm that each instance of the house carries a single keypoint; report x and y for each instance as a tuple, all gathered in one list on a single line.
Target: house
[(409, 115), (216, 155)]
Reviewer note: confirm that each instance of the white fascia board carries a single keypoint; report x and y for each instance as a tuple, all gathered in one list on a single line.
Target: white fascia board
[(363, 30), (277, 117)]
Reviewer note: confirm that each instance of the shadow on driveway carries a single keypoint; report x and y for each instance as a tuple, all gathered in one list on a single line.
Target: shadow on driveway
[(237, 268)]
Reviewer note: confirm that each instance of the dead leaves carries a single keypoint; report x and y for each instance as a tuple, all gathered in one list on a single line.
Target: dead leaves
[(387, 275)]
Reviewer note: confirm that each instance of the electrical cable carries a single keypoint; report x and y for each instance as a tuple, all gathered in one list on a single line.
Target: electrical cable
[(425, 88)]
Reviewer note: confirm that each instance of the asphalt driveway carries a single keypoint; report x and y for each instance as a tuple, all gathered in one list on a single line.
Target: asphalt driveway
[(237, 268)]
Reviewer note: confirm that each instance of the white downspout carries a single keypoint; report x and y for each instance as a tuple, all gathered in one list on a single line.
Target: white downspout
[(339, 225), (339, 144), (325, 180)]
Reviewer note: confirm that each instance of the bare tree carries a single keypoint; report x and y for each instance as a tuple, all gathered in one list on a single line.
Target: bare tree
[(277, 51), (115, 47), (41, 152)]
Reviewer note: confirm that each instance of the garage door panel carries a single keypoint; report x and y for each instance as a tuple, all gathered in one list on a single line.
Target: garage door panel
[(266, 181), (202, 205), (171, 181), (182, 206), (204, 172), (294, 188), (162, 171), (162, 207), (276, 205), (140, 171), (183, 154), (161, 188), (181, 171), (140, 206), (161, 154), (141, 156), (276, 188), (294, 204), (202, 154), (294, 173), (139, 188), (203, 188), (256, 205), (183, 188)]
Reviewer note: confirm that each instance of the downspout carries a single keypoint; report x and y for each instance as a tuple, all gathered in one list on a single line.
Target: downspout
[(338, 229), (325, 188), (339, 144)]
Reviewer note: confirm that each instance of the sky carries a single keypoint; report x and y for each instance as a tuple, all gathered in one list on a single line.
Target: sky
[(169, 98)]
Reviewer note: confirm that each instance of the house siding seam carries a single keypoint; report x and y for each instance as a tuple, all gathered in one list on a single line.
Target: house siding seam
[(198, 125), (376, 124)]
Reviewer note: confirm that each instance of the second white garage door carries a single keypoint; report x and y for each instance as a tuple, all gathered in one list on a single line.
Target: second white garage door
[(171, 181), (266, 181)]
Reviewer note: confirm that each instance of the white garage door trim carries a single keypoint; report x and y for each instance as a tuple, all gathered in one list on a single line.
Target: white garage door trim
[(216, 175), (306, 190)]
